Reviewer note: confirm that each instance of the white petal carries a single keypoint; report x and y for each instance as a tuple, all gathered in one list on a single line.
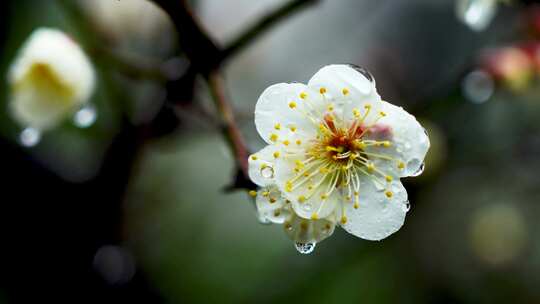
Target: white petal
[(302, 230), (409, 139), (378, 216), (52, 65), (280, 111), (261, 165), (305, 201), (339, 77), (271, 205)]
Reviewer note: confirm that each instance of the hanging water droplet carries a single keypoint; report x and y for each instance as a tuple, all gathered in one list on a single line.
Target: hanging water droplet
[(267, 172), (305, 248), (307, 207), (30, 137), (364, 72), (477, 87), (419, 170), (406, 206), (85, 117)]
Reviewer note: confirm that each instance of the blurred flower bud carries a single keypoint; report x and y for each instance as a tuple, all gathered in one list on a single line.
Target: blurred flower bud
[(138, 25), (50, 78), (476, 14), (510, 66)]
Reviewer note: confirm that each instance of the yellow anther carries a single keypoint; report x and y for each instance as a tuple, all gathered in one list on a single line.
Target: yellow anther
[(286, 142), (296, 170), (356, 113), (343, 219), (277, 126), (263, 166), (277, 213), (371, 167), (293, 128), (274, 137), (389, 178), (344, 168), (314, 216), (330, 108), (345, 91), (254, 157), (339, 149), (272, 200), (387, 144), (301, 199), (355, 206), (288, 186), (310, 187), (356, 193), (367, 106), (401, 165), (327, 227), (382, 113), (322, 90), (276, 154), (389, 194), (324, 196), (292, 104), (298, 142), (306, 174), (348, 197), (323, 170), (299, 163), (253, 193), (359, 144), (265, 193), (353, 156), (303, 95)]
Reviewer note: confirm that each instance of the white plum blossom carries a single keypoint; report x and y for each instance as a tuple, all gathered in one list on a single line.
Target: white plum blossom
[(50, 78), (335, 156)]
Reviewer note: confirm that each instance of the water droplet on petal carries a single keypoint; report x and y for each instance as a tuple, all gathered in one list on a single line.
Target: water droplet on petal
[(30, 137), (85, 117), (478, 87), (307, 207), (305, 248), (263, 219), (364, 72), (267, 172), (406, 206), (419, 170)]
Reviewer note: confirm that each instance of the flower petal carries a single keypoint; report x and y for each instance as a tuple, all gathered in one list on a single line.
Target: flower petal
[(271, 205), (377, 216), (302, 230), (342, 81), (306, 198), (261, 166), (281, 113), (409, 139)]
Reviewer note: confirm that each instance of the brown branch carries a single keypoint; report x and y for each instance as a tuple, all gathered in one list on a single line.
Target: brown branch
[(263, 25), (230, 129)]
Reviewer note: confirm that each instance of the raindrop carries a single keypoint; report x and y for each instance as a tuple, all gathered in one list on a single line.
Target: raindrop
[(30, 137), (305, 248), (307, 207), (85, 117), (267, 172), (477, 87), (364, 72), (406, 206), (419, 170)]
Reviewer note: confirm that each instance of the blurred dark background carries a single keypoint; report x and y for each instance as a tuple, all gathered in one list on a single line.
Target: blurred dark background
[(133, 207)]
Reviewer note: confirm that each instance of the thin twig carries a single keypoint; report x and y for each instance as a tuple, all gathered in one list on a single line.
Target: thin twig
[(230, 129), (263, 25)]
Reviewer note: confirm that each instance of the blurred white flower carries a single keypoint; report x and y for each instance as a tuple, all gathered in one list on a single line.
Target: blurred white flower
[(335, 155), (476, 14), (50, 78)]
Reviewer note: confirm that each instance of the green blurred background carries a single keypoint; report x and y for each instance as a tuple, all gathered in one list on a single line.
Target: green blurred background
[(94, 215)]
